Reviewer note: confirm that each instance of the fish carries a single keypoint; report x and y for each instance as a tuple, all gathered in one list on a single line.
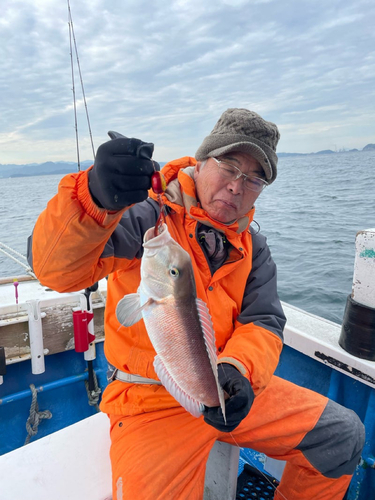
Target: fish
[(178, 323)]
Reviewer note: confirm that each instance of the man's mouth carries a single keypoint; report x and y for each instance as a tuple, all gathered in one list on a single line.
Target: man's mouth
[(229, 204)]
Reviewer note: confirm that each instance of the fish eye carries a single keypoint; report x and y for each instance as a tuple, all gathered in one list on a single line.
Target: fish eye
[(174, 272)]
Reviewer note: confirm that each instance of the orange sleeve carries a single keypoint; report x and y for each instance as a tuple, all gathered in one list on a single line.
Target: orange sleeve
[(255, 352), (69, 238)]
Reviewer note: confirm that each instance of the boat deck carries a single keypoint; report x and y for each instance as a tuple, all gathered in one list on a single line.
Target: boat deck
[(311, 357)]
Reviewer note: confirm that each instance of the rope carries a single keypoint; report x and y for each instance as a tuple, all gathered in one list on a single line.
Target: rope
[(27, 268), (93, 396), (14, 251), (35, 416)]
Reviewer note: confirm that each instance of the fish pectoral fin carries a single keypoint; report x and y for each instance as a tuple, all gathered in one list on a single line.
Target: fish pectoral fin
[(164, 300), (210, 342), (190, 404), (129, 309)]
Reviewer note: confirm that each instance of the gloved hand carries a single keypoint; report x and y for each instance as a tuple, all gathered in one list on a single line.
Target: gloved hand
[(241, 397), (122, 171)]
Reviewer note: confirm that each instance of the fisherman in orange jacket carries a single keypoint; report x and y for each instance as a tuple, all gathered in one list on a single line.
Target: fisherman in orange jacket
[(94, 228)]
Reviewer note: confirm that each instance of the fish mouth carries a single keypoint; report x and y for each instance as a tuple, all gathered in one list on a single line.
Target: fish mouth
[(150, 233), (152, 241)]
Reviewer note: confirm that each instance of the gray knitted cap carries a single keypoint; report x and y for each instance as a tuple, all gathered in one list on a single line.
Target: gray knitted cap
[(243, 130)]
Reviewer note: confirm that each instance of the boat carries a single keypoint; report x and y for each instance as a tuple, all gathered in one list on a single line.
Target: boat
[(53, 370), (54, 441)]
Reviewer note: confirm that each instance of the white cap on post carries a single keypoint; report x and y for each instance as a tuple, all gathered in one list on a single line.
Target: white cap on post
[(364, 268)]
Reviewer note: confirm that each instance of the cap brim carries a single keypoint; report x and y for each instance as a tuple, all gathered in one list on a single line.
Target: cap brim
[(250, 148)]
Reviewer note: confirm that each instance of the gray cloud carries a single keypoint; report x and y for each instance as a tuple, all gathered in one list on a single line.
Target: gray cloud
[(164, 71)]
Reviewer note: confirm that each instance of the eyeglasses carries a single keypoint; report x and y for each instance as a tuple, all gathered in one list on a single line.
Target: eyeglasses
[(233, 173)]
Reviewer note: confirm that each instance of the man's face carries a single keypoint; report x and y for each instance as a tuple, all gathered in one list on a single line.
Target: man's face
[(223, 199)]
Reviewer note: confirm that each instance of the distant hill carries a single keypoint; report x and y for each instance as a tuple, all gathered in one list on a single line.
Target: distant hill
[(324, 152), (369, 147), (47, 168), (66, 167)]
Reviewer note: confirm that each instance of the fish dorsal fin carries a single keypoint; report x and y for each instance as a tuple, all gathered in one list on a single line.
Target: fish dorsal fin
[(190, 404), (208, 330), (129, 309), (210, 341)]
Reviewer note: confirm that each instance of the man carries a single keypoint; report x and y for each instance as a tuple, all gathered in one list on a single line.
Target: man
[(94, 227)]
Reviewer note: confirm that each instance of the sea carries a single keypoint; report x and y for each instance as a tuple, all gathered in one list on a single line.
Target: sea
[(310, 216)]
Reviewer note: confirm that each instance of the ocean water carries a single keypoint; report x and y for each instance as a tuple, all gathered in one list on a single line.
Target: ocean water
[(310, 215)]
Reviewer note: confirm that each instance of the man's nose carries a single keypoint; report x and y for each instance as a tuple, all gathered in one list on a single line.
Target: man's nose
[(236, 186)]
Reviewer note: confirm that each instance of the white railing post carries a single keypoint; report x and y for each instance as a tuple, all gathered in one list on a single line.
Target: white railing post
[(36, 337)]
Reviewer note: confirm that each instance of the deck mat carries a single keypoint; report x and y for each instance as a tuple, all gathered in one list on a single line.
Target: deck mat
[(252, 485)]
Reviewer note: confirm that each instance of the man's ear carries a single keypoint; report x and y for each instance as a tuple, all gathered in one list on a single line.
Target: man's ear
[(197, 169)]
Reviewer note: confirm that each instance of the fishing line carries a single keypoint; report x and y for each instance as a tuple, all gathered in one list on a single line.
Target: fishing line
[(258, 469), (254, 464), (164, 211)]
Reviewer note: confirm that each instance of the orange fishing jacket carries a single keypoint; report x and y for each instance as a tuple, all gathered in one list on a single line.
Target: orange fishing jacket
[(75, 244)]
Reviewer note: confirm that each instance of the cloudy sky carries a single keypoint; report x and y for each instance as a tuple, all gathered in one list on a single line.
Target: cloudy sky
[(164, 71)]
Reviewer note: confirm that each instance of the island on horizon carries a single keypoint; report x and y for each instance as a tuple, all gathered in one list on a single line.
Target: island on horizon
[(66, 167)]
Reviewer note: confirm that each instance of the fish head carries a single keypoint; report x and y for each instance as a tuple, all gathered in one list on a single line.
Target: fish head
[(166, 267)]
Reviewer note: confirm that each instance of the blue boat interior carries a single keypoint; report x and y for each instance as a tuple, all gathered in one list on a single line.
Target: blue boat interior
[(61, 389)]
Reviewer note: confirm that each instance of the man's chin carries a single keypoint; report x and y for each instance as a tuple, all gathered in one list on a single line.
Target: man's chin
[(224, 221), (223, 212)]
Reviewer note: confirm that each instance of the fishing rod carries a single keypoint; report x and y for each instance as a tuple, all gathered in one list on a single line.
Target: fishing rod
[(72, 36), (74, 96)]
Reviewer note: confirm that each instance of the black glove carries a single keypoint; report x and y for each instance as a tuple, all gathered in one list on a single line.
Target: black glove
[(122, 172), (241, 397)]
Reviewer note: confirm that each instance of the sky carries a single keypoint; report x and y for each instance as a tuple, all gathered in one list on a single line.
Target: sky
[(164, 71)]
